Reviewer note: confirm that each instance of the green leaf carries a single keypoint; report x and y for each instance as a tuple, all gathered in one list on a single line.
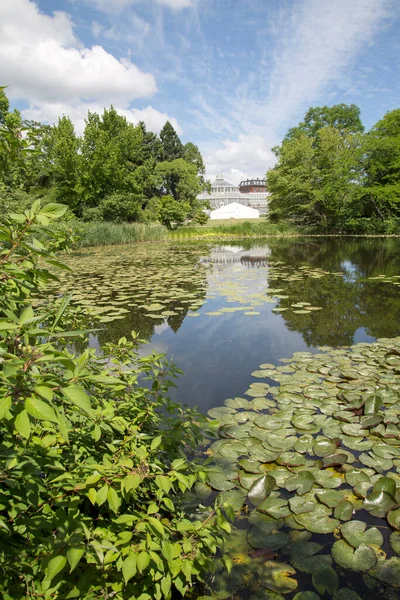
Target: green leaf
[(344, 510), (102, 495), (53, 210), (92, 495), (54, 567), (129, 568), (388, 571), (325, 580), (355, 534), (261, 488), (22, 424), (131, 481), (394, 519), (361, 559), (26, 315), (114, 501), (74, 555), (143, 561), (156, 442), (167, 550), (5, 405), (379, 503), (40, 410), (302, 482), (78, 396)]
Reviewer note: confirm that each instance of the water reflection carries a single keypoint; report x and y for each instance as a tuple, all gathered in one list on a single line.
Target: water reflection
[(218, 353)]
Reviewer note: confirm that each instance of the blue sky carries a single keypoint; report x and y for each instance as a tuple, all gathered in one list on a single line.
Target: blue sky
[(231, 75)]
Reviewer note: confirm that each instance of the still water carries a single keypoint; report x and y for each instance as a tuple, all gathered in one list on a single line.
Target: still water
[(219, 311)]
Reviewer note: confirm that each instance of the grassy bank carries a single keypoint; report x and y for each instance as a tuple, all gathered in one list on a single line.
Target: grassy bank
[(238, 228), (105, 233)]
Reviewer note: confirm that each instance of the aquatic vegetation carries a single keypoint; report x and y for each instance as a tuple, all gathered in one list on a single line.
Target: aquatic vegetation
[(310, 460)]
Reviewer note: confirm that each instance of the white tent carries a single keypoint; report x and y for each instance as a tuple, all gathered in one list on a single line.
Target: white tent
[(235, 211)]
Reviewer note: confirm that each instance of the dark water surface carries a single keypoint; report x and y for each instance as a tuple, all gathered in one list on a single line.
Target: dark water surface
[(217, 353)]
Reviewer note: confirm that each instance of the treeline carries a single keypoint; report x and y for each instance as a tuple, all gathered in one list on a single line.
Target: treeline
[(332, 175), (116, 171)]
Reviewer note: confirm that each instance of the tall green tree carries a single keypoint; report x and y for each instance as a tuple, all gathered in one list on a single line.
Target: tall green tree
[(171, 144), (382, 164), (343, 117), (65, 160)]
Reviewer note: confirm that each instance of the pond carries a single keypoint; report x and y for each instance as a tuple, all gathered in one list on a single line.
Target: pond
[(274, 340), (221, 310)]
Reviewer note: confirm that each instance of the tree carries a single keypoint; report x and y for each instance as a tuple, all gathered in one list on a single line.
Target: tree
[(151, 144), (171, 144), (343, 117), (382, 164), (65, 162), (179, 180), (172, 211)]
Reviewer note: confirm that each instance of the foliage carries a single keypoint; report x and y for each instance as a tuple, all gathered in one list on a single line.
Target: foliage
[(94, 472), (121, 207), (382, 190), (343, 117), (171, 211), (102, 233), (330, 174), (172, 147)]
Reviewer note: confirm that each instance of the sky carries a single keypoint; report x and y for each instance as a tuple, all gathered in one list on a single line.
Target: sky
[(231, 75)]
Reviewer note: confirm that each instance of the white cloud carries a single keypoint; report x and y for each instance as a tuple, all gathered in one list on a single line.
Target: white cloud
[(77, 111), (40, 59), (113, 6), (317, 42), (248, 156)]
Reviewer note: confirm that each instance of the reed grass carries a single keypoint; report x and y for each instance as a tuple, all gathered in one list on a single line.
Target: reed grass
[(105, 233), (237, 228)]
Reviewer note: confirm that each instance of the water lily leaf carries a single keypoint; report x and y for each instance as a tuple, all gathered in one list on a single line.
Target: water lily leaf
[(379, 503), (346, 594), (304, 444), (324, 447), (250, 466), (291, 459), (219, 481), (277, 577), (305, 557), (361, 559), (306, 596), (220, 412), (353, 430), (329, 497), (202, 490), (268, 422), (378, 464), (246, 480), (274, 541), (395, 542), (327, 478), (344, 510), (362, 488), (355, 534), (275, 507), (372, 404), (385, 484), (325, 580), (334, 460), (317, 521), (394, 519), (299, 506), (302, 482), (354, 476), (261, 488), (370, 421), (388, 571), (233, 498)]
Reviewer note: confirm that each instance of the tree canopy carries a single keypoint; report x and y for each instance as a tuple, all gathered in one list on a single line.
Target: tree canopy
[(332, 175), (116, 171)]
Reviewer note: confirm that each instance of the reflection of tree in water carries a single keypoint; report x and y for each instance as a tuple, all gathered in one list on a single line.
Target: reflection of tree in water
[(369, 255), (348, 303)]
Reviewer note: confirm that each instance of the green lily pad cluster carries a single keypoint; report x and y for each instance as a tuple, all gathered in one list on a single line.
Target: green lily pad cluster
[(311, 469), (159, 281), (395, 279)]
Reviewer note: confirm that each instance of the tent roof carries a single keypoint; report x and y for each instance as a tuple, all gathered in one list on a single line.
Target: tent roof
[(234, 209)]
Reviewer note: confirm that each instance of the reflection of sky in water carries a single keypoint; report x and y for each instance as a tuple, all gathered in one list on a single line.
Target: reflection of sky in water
[(218, 353)]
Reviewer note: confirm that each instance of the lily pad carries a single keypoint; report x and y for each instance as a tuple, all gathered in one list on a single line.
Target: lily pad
[(355, 534), (277, 577), (388, 571), (379, 503), (325, 580), (361, 559), (301, 483), (394, 519), (261, 488), (306, 557), (317, 521), (344, 510)]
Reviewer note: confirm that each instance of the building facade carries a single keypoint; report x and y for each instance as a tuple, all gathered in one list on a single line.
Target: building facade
[(251, 192)]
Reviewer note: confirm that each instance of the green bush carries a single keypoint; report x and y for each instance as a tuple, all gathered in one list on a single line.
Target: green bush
[(94, 479)]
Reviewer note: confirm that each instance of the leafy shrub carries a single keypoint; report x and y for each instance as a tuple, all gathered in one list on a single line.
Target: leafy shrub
[(93, 476)]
